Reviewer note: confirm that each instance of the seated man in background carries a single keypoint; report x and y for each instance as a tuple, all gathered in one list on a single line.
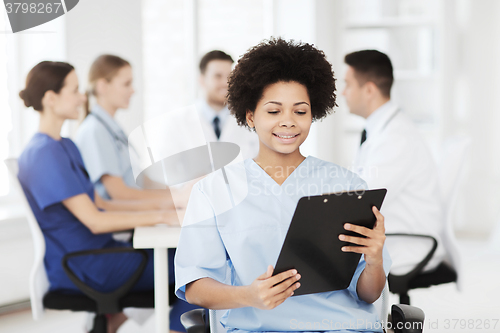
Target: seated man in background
[(393, 155), (215, 68)]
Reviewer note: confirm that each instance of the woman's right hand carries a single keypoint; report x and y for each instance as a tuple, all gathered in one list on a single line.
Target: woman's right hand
[(267, 291)]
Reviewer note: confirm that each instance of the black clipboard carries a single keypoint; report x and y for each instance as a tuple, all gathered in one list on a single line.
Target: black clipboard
[(312, 244)]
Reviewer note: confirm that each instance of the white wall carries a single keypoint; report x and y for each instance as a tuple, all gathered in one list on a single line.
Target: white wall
[(315, 22), (474, 107), (331, 144), (16, 258), (95, 27), (23, 50)]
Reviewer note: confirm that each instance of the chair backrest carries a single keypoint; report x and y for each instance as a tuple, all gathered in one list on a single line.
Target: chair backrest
[(381, 307), (452, 170), (38, 282)]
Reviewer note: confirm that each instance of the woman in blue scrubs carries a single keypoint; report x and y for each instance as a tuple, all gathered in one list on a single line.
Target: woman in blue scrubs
[(71, 215), (225, 254)]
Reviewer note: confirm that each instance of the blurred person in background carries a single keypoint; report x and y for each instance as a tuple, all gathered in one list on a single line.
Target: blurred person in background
[(102, 141), (105, 150), (71, 214), (393, 155), (218, 124)]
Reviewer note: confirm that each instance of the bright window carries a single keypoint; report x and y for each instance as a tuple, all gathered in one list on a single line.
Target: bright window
[(5, 111), (19, 52), (178, 33)]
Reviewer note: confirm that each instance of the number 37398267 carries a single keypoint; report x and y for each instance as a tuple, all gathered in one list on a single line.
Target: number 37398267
[(33, 8)]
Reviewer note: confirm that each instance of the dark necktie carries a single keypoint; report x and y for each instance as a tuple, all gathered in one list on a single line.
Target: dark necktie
[(216, 127), (363, 137)]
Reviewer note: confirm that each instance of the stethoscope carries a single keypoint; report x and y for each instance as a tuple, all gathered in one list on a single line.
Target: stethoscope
[(116, 137), (110, 130)]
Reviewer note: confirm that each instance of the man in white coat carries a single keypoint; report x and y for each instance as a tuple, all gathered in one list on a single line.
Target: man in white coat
[(218, 124), (393, 155)]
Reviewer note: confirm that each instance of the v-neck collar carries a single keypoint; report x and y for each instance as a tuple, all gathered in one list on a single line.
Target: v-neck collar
[(286, 194), (291, 175)]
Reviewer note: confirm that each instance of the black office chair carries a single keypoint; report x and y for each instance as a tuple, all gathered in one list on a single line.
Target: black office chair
[(454, 154), (98, 302), (416, 278)]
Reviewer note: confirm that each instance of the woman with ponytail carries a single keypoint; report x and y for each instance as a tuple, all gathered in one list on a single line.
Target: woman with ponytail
[(102, 142), (104, 148), (71, 215)]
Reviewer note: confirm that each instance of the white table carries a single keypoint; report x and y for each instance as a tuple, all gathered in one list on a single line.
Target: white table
[(160, 238)]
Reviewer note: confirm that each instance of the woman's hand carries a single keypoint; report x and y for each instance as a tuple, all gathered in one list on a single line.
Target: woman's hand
[(372, 245), (170, 217), (165, 204), (267, 291)]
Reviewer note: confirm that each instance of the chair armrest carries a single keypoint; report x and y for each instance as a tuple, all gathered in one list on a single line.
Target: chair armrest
[(407, 319), (194, 321), (106, 302), (129, 231), (408, 276)]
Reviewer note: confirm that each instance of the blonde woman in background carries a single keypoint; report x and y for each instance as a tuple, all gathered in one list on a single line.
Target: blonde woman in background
[(103, 143), (104, 148)]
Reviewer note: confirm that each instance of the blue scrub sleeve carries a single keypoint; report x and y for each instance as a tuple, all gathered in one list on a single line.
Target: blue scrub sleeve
[(354, 282), (54, 178), (200, 252), (98, 150), (361, 266)]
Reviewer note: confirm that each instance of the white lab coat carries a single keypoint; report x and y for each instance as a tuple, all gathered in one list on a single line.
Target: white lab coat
[(395, 156), (247, 140)]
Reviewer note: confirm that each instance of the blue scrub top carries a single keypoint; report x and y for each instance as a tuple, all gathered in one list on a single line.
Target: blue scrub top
[(104, 148), (232, 236), (51, 171)]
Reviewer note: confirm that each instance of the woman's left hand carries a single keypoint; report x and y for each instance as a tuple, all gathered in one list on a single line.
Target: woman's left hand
[(372, 245)]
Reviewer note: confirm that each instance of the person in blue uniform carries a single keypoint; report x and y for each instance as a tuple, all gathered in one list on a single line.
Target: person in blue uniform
[(71, 215), (229, 243)]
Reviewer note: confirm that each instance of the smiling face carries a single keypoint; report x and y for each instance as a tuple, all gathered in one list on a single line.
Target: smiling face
[(282, 118), (67, 103)]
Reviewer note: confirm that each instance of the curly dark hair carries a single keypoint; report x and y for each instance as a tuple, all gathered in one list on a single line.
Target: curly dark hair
[(278, 60)]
